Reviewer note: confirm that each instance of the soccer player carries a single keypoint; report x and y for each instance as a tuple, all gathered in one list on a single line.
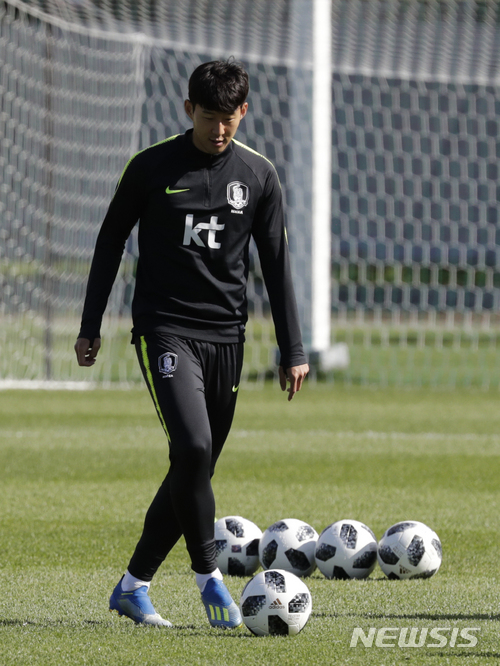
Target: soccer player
[(199, 198)]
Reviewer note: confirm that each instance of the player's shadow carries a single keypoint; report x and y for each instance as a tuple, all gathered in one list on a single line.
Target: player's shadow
[(50, 623), (187, 630), (193, 630), (15, 623)]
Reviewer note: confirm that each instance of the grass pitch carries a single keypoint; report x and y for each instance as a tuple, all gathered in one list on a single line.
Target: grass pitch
[(78, 471)]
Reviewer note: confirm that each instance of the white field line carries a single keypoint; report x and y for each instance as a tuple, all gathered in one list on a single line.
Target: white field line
[(370, 434), (311, 434), (29, 384)]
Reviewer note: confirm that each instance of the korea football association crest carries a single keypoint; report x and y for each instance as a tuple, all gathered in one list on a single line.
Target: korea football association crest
[(238, 194), (167, 364)]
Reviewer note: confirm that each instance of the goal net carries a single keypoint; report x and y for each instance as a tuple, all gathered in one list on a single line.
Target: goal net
[(85, 84), (415, 185)]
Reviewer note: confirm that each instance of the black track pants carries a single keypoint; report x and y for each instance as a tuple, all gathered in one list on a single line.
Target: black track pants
[(193, 385)]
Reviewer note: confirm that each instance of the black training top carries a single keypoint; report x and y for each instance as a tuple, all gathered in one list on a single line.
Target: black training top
[(196, 215)]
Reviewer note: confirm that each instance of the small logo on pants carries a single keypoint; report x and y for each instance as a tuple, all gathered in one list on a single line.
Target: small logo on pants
[(167, 364)]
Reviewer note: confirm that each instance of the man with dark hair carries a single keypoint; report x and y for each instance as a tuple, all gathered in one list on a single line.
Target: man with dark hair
[(199, 198), (220, 83)]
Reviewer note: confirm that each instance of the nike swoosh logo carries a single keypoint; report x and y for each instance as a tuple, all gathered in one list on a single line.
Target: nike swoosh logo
[(235, 388), (169, 191)]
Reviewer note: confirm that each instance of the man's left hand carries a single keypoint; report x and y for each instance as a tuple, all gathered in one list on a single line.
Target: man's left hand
[(295, 376)]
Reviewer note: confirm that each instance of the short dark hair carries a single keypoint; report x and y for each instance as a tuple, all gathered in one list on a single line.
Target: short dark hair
[(219, 85)]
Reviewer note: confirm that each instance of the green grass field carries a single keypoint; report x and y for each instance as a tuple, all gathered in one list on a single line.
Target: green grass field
[(78, 471)]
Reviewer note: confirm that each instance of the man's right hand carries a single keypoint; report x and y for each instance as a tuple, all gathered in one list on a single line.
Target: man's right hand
[(86, 352)]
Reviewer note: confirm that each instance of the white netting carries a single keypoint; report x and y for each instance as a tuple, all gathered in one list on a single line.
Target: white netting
[(415, 181), (85, 84), (69, 121)]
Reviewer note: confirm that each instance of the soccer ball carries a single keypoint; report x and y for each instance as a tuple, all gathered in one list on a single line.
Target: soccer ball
[(346, 549), (289, 544), (237, 546), (409, 550), (275, 603)]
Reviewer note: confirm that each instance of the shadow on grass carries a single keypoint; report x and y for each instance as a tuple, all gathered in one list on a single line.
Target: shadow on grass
[(432, 616), (463, 655), (17, 623), (178, 630), (192, 630), (46, 623), (414, 616)]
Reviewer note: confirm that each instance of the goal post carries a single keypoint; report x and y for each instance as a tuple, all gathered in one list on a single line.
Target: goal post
[(321, 177)]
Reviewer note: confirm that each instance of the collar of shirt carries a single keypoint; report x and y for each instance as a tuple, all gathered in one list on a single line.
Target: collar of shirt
[(205, 159)]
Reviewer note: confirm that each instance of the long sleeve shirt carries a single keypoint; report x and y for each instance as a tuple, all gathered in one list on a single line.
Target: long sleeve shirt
[(197, 213)]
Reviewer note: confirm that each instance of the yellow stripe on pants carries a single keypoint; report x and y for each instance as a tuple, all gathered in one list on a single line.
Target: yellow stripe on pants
[(149, 378)]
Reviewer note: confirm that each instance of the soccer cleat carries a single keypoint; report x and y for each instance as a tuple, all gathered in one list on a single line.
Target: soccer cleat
[(220, 607), (137, 606)]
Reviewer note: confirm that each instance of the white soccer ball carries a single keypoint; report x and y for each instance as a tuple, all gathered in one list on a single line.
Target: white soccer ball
[(275, 603), (289, 544), (346, 549), (237, 545), (409, 550)]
